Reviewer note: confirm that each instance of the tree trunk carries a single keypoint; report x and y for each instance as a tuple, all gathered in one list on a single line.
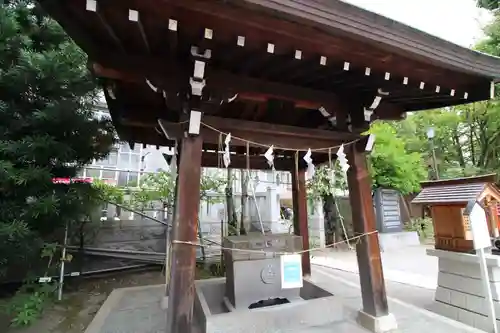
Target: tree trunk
[(333, 229), (244, 200), (231, 212)]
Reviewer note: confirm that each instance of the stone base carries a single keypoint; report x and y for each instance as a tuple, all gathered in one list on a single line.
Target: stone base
[(377, 324), (164, 303), (460, 294), (398, 240)]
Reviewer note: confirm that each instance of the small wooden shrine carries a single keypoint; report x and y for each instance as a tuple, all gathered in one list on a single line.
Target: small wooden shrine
[(447, 200), (292, 75)]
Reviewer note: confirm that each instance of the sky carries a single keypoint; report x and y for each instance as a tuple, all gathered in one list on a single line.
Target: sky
[(458, 21)]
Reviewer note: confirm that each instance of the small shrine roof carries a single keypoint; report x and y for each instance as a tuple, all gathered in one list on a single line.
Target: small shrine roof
[(454, 191)]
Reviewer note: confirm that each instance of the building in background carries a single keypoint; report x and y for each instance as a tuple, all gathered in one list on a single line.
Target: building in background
[(125, 167), (268, 191)]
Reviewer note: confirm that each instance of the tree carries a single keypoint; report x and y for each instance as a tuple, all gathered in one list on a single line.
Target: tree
[(160, 187), (467, 138), (244, 174), (488, 4), (110, 194), (324, 185), (391, 165), (156, 187), (46, 98), (232, 217)]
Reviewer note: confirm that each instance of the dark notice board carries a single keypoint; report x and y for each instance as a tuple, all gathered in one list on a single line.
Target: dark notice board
[(387, 210)]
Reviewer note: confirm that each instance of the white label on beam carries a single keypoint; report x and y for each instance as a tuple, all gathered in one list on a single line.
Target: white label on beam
[(133, 15), (405, 80), (370, 143), (466, 95), (298, 54), (368, 71), (241, 41), (270, 48), (194, 122), (172, 25), (452, 92), (387, 76), (209, 33), (422, 85), (438, 89), (91, 5), (322, 61), (346, 66), (199, 69)]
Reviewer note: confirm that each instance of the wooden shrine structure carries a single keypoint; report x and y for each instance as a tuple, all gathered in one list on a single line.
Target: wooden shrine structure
[(294, 74), (447, 200)]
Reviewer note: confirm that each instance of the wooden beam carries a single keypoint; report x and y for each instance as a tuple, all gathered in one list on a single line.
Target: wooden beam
[(130, 68), (173, 78), (262, 135), (258, 162), (363, 216), (181, 286), (300, 225), (226, 124)]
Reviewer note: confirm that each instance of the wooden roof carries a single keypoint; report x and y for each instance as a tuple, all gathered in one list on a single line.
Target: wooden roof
[(457, 191), (281, 60)]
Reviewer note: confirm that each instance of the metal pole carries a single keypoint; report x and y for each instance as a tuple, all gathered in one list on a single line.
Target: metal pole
[(63, 259), (434, 161)]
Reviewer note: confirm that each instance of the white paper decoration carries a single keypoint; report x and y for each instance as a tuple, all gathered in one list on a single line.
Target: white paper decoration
[(269, 155), (341, 158), (310, 165), (227, 156)]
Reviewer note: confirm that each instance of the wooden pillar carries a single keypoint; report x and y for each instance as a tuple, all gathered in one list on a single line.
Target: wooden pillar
[(171, 221), (363, 217), (300, 226), (183, 262)]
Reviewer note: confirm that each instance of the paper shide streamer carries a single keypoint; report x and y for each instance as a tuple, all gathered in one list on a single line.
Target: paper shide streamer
[(341, 158), (227, 155), (269, 155), (310, 166)]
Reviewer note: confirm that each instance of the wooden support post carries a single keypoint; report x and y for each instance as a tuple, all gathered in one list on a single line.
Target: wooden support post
[(300, 226), (181, 287), (363, 217), (169, 233)]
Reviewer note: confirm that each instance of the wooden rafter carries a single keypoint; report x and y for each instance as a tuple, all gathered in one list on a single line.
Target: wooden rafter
[(291, 137)]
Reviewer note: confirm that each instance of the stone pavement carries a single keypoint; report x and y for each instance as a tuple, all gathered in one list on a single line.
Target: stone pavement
[(410, 318), (138, 309), (410, 265)]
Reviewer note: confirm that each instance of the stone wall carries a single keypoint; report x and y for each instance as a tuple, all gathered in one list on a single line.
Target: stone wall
[(460, 293)]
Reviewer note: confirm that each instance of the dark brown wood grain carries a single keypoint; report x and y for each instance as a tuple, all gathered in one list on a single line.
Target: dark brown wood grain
[(183, 262), (300, 225), (363, 217)]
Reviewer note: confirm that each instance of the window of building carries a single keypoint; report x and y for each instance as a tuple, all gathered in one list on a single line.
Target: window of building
[(94, 173), (124, 162), (133, 179), (122, 178), (124, 148), (108, 175), (135, 160)]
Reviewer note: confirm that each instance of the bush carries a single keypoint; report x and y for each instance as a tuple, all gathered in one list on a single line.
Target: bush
[(28, 303), (423, 226)]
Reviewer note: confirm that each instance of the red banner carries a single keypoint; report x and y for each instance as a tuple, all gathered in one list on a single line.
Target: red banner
[(72, 180)]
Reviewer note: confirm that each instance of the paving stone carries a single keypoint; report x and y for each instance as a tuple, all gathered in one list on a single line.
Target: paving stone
[(121, 316)]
